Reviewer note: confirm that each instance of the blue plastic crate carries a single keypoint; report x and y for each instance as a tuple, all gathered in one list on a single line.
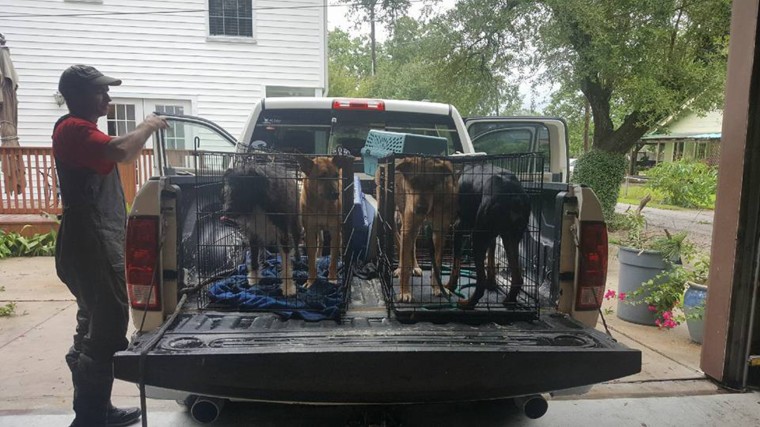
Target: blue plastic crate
[(382, 143)]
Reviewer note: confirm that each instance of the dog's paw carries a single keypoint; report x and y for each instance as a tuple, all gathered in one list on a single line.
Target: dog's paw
[(405, 297), (437, 291), (397, 272), (252, 279), (417, 271), (511, 298), (465, 304), (451, 286), (308, 283), (289, 288)]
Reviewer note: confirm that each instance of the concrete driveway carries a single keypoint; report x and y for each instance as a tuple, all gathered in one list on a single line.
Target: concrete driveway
[(36, 388)]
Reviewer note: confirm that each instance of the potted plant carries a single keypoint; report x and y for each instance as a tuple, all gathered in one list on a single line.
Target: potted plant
[(644, 292), (695, 297)]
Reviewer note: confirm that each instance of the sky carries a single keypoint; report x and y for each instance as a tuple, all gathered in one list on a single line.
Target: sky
[(337, 17)]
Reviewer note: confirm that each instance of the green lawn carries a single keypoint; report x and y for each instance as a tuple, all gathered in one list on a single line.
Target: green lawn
[(633, 193)]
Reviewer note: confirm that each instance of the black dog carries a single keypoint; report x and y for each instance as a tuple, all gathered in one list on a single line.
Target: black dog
[(262, 199), (492, 204)]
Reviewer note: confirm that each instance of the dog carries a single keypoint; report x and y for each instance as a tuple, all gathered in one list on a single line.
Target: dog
[(262, 199), (321, 208), (492, 203), (425, 190)]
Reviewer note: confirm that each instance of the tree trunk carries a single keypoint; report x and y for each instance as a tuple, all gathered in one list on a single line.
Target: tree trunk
[(586, 120), (634, 158), (606, 137), (372, 38)]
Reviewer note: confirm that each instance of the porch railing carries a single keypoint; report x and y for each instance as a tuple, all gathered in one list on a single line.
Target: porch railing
[(41, 194)]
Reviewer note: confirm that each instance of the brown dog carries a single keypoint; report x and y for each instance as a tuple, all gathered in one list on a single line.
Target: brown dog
[(425, 190), (321, 208)]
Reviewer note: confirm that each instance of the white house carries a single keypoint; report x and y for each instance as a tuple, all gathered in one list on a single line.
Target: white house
[(210, 58), (686, 135)]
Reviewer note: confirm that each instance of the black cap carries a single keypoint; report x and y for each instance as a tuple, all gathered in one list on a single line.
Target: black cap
[(77, 77)]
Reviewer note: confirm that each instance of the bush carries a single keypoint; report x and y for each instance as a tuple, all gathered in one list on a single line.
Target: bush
[(603, 172), (13, 244), (684, 183)]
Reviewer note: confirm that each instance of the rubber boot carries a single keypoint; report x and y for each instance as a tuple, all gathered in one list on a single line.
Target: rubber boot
[(92, 396)]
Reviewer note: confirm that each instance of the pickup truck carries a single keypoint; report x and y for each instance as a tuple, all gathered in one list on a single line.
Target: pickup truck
[(203, 356)]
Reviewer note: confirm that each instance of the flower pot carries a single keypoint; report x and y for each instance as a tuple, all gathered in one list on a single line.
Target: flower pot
[(693, 298), (637, 267)]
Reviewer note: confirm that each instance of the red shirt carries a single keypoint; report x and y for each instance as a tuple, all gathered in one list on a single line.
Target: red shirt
[(78, 143)]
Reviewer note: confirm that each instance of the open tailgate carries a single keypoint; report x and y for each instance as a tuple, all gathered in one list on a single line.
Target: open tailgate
[(371, 360)]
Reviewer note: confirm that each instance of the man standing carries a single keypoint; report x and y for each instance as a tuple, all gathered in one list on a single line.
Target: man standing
[(89, 253)]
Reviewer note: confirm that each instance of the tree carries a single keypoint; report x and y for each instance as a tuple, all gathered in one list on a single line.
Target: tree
[(374, 11), (644, 59), (636, 61), (569, 105), (349, 64), (417, 63)]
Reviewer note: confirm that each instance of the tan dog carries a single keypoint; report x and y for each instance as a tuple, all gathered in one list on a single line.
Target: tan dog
[(321, 208), (426, 190)]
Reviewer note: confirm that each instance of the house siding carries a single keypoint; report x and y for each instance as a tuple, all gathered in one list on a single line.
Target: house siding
[(694, 124), (161, 55)]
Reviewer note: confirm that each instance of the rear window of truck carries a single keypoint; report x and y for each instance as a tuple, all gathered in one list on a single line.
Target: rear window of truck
[(322, 131), (512, 138)]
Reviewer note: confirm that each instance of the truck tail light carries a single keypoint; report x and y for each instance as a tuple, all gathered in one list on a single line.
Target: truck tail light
[(592, 271), (358, 104), (142, 262)]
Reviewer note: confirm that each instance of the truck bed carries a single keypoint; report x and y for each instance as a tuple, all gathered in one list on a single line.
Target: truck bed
[(368, 357)]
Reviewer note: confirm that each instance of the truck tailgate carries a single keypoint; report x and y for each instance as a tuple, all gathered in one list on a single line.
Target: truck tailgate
[(371, 359)]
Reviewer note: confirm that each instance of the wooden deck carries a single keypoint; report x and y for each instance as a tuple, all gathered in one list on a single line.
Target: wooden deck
[(29, 183)]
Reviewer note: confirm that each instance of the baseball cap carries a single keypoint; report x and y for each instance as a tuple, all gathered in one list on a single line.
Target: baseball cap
[(77, 77)]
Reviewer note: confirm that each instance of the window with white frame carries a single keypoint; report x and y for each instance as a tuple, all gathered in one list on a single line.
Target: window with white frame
[(232, 18), (121, 119), (175, 135)]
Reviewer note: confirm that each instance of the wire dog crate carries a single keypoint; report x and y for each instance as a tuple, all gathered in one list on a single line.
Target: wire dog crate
[(272, 233), (458, 205)]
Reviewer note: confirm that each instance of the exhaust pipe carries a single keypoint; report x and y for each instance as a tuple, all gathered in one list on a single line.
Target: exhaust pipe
[(206, 409), (533, 406)]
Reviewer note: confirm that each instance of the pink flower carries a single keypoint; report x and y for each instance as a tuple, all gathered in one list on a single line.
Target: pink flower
[(621, 296), (667, 315), (609, 295), (652, 308)]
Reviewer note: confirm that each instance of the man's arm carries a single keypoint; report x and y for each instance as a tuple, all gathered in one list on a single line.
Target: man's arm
[(126, 148)]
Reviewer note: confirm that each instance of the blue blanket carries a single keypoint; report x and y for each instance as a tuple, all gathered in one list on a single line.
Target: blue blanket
[(321, 301)]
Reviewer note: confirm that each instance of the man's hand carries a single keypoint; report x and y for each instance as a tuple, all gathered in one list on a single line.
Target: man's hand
[(126, 148), (156, 122)]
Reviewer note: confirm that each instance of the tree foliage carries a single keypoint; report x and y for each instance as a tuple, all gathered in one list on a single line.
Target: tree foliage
[(419, 62), (349, 63), (636, 61), (685, 183), (603, 172)]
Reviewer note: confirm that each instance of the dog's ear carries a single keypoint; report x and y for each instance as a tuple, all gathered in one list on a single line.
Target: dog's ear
[(406, 167), (306, 164), (343, 162)]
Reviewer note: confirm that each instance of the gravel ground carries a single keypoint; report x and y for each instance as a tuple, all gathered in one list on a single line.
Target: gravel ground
[(698, 223)]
